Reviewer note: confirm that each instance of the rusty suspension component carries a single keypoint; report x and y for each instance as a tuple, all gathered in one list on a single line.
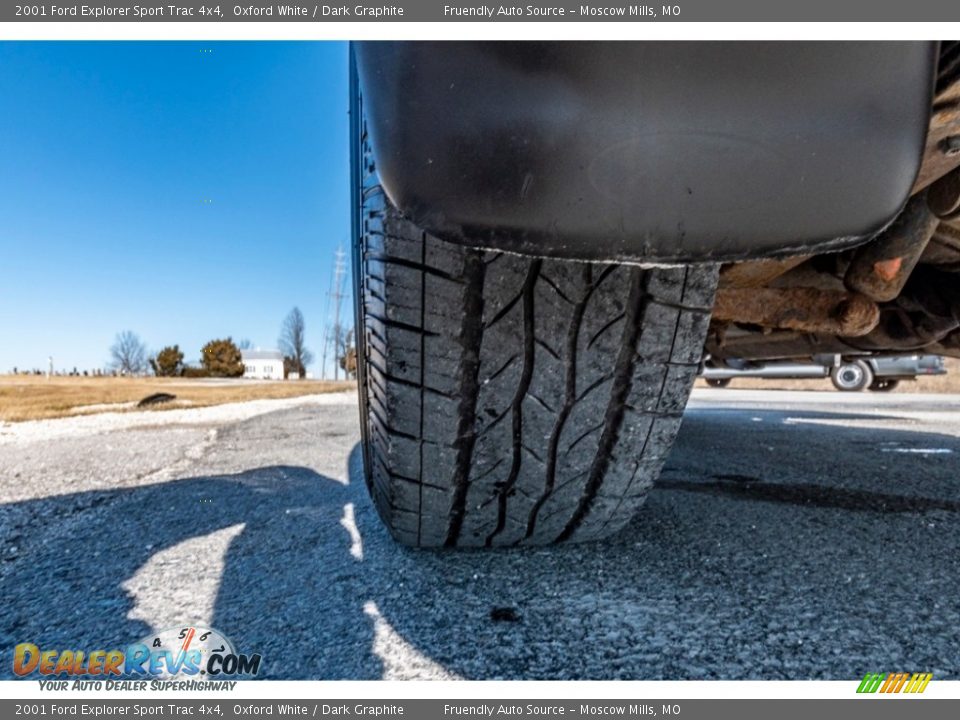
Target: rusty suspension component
[(943, 197), (942, 152), (805, 309), (757, 273), (881, 268), (926, 317)]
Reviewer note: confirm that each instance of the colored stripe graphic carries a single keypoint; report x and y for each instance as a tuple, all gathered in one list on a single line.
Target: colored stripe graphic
[(913, 683), (900, 681), (890, 682), (894, 682), (870, 683), (923, 682)]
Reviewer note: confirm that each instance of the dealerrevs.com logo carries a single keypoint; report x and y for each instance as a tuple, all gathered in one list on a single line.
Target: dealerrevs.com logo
[(190, 651)]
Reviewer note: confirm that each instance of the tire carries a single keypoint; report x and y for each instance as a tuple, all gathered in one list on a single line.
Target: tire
[(884, 385), (852, 376), (510, 399), (718, 382)]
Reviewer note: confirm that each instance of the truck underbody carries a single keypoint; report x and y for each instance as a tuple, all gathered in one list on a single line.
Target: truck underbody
[(899, 292)]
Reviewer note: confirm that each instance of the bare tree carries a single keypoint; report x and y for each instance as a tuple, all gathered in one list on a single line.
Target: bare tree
[(344, 343), (293, 342), (245, 344), (348, 356), (128, 354)]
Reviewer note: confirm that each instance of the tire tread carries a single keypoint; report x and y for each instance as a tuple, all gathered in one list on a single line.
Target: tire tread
[(517, 400)]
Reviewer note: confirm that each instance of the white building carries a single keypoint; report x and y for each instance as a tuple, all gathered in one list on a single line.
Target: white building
[(262, 364)]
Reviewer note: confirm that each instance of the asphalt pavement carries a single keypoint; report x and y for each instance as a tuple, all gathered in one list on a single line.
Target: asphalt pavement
[(793, 535)]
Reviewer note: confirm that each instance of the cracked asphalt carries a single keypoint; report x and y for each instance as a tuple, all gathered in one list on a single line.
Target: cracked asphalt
[(794, 535)]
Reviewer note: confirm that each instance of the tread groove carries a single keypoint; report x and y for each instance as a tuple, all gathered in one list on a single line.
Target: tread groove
[(663, 384), (397, 324), (409, 383), (602, 380), (680, 306), (507, 364), (503, 311), (601, 331), (550, 351), (541, 402), (496, 421), (570, 399), (423, 363), (556, 289), (526, 376), (581, 437), (471, 333), (419, 267), (623, 378)]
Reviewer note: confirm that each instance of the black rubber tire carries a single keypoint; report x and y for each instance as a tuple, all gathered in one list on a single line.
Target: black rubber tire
[(511, 399), (884, 385), (852, 376), (718, 382)]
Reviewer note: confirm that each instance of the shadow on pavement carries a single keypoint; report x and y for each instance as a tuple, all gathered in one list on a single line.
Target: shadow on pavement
[(72, 595)]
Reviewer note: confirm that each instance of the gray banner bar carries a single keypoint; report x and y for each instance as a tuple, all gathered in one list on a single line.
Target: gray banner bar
[(224, 708), (457, 10)]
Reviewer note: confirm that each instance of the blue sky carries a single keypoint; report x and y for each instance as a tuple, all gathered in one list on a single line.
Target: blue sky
[(182, 190)]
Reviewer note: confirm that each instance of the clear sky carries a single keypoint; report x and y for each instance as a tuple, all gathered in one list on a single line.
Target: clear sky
[(182, 190)]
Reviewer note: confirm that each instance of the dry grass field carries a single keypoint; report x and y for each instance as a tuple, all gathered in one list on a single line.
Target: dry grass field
[(37, 398), (949, 383)]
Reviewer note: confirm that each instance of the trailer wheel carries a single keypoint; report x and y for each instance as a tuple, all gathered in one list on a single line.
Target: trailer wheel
[(852, 376), (718, 382)]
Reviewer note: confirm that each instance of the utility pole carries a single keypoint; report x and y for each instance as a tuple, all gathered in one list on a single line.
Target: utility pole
[(339, 271), (326, 334), (323, 353)]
